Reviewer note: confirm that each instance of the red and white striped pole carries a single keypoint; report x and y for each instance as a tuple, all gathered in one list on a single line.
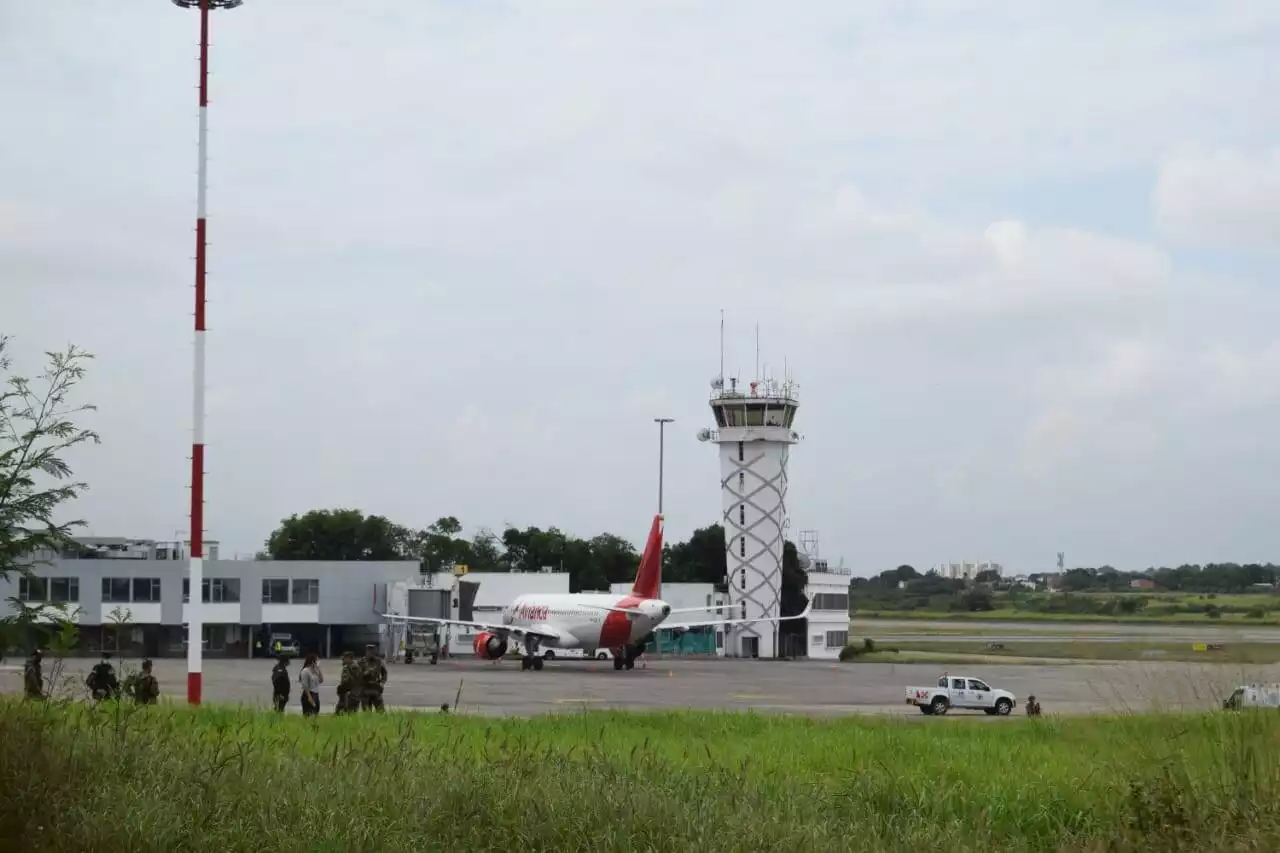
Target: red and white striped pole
[(195, 605)]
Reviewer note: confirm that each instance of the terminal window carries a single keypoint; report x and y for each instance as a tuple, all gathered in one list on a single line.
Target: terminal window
[(214, 590), (835, 601), (115, 590), (837, 639), (275, 591), (33, 589), (306, 591), (146, 590), (64, 590)]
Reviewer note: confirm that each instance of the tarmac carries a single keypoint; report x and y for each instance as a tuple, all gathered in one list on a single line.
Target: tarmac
[(818, 688)]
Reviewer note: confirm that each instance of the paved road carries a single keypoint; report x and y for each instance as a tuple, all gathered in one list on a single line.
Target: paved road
[(794, 687)]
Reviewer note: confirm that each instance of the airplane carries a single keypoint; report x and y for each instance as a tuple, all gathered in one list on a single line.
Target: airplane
[(587, 620)]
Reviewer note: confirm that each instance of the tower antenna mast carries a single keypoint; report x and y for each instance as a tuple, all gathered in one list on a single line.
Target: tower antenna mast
[(757, 376), (722, 345), (195, 618)]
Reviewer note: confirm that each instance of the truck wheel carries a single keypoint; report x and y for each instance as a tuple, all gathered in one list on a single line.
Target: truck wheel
[(549, 655), (938, 706), (434, 659), (1003, 707)]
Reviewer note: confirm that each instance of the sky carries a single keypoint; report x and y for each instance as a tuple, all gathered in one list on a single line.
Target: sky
[(1022, 260)]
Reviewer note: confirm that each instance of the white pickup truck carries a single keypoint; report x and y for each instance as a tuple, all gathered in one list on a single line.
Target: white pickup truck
[(954, 691)]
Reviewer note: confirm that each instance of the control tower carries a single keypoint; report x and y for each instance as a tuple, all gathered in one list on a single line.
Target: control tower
[(754, 431)]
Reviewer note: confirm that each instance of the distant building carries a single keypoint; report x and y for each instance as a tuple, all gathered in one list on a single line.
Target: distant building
[(1142, 583), (968, 570)]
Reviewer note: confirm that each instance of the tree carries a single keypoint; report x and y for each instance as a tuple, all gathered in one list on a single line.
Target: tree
[(339, 534), (440, 547), (36, 428), (699, 560), (486, 553), (793, 598)]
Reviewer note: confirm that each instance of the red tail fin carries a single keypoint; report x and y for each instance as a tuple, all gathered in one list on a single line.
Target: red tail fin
[(649, 575)]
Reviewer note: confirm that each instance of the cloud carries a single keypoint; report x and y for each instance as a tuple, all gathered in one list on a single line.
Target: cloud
[(1220, 197), (462, 254)]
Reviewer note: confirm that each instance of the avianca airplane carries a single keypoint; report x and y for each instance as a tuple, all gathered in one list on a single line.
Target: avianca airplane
[(620, 623)]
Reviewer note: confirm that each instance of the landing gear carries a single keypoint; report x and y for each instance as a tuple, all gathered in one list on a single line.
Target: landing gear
[(625, 657), (531, 660)]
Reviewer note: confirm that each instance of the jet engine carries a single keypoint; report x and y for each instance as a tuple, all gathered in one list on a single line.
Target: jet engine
[(489, 646)]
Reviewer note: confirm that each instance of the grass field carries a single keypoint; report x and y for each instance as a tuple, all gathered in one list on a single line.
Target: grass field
[(1067, 648), (75, 778)]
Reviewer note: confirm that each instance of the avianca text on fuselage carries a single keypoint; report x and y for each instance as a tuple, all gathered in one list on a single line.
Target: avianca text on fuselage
[(529, 613)]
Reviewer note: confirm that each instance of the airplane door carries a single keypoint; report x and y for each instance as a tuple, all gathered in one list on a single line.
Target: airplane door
[(751, 647)]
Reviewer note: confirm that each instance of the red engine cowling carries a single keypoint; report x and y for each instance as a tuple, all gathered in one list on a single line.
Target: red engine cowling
[(489, 646)]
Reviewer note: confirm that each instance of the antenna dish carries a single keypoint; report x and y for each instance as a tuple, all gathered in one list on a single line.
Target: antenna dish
[(704, 434), (717, 384)]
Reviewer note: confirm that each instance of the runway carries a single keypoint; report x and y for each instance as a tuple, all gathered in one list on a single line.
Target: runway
[(811, 688), (916, 630)]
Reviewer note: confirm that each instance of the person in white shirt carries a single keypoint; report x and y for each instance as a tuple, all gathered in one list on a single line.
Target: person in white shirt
[(310, 678)]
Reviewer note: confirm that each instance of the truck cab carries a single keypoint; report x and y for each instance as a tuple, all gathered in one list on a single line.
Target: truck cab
[(1253, 696), (961, 692)]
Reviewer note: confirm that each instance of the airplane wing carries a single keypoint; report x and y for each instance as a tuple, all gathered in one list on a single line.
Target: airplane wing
[(718, 622), (543, 631), (635, 611)]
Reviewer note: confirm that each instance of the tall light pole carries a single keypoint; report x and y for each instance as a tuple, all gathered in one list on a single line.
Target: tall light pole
[(662, 424), (195, 603)]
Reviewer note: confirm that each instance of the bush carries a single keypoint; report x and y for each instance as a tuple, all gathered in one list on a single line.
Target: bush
[(850, 652)]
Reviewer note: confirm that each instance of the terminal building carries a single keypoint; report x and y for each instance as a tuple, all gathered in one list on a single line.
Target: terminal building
[(131, 596)]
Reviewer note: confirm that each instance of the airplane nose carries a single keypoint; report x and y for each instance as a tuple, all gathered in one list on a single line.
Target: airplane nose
[(666, 610)]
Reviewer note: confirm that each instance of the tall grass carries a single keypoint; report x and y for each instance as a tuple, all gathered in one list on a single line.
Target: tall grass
[(79, 778)]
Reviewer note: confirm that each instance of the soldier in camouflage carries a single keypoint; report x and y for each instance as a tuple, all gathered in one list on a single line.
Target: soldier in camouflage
[(32, 676), (373, 676), (144, 688), (348, 685), (280, 684)]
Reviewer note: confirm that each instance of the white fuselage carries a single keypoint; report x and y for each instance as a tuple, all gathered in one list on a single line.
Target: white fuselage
[(583, 620)]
